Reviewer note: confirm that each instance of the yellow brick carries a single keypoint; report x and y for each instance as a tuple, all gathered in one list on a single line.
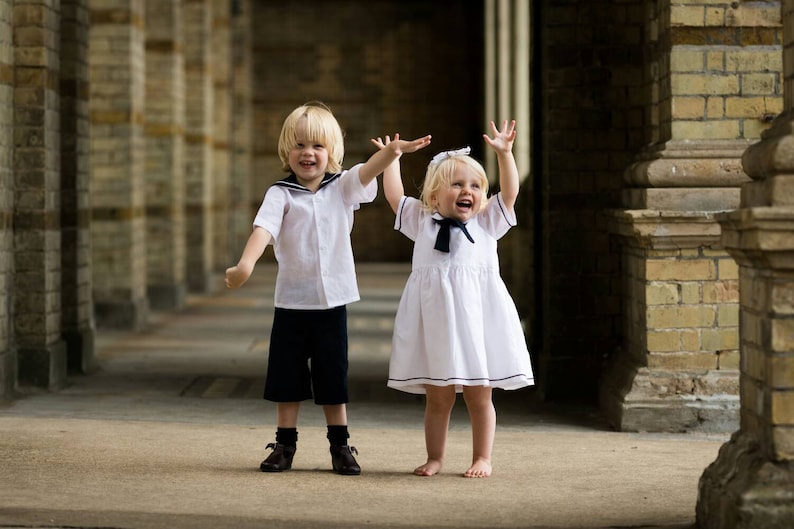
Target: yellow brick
[(673, 316), (728, 269), (704, 84), (688, 107), (682, 361), (661, 294), (690, 340), (719, 339), (686, 60), (715, 16), (728, 360), (781, 371), (782, 335), (690, 293), (686, 15), (728, 315), (754, 61), (715, 107), (706, 130), (660, 341), (759, 84), (783, 407), (747, 107), (721, 292), (688, 270), (782, 298)]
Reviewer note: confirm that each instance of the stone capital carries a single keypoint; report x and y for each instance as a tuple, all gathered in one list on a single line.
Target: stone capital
[(665, 230), (689, 163), (760, 237)]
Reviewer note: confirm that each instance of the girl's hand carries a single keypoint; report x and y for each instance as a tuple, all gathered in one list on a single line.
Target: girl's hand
[(502, 140)]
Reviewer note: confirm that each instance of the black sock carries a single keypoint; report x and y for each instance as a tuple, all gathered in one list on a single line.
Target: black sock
[(337, 435), (287, 436)]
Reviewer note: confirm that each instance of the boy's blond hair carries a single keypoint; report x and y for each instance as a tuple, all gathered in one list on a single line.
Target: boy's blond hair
[(321, 128), (439, 174)]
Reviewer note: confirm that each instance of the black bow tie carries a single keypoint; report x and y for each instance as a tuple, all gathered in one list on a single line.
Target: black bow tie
[(442, 239)]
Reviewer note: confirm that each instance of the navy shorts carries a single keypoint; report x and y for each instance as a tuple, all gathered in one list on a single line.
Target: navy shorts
[(308, 350)]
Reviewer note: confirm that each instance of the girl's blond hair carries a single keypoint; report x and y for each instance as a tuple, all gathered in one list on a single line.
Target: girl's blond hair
[(321, 127), (440, 174)]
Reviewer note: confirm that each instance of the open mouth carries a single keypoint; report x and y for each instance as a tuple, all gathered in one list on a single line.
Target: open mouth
[(464, 204)]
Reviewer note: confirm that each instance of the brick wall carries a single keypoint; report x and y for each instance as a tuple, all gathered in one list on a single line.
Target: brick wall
[(7, 357), (165, 154), (118, 192), (383, 67), (76, 296), (593, 122)]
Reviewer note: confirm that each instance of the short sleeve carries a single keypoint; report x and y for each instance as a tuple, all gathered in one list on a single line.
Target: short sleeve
[(271, 213), (409, 217), (354, 193), (496, 219)]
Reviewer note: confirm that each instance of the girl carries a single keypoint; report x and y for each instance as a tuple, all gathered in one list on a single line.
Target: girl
[(457, 329), (308, 217)]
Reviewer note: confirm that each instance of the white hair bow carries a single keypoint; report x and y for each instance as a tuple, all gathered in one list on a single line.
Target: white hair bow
[(438, 158)]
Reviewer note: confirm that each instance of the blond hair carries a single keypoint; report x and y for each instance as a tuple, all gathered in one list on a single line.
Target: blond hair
[(320, 127), (439, 174)]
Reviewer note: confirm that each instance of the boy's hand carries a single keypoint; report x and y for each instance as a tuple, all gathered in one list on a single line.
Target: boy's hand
[(236, 276), (401, 146), (502, 140)]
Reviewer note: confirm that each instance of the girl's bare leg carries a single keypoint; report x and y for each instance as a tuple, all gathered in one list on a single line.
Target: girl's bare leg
[(483, 429), (438, 406), (287, 414)]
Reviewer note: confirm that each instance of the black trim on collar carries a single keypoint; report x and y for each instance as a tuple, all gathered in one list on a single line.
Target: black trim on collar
[(291, 182)]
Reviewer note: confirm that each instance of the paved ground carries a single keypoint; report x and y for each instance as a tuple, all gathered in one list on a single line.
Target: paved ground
[(170, 430)]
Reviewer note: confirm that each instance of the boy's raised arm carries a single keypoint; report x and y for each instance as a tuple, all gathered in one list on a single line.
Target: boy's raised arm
[(392, 179), (379, 161)]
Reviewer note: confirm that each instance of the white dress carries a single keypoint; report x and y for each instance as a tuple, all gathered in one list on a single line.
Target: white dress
[(456, 323)]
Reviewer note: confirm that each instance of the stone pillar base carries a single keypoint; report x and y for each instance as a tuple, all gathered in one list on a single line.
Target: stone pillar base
[(637, 399), (42, 367), (131, 315), (166, 297), (80, 350), (743, 489)]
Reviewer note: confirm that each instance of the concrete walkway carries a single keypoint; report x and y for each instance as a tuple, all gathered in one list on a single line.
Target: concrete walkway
[(170, 430)]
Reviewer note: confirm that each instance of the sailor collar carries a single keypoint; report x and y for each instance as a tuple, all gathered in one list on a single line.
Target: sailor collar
[(291, 182)]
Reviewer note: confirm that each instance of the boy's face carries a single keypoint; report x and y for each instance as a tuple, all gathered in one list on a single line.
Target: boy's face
[(461, 198), (308, 160)]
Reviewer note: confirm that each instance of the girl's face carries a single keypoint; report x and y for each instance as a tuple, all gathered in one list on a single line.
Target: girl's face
[(462, 197), (307, 159)]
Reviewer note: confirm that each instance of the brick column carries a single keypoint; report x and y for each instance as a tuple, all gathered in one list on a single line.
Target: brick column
[(165, 148), (242, 127), (118, 228), (751, 483), (222, 70), (713, 89), (76, 297), (199, 169), (7, 353), (36, 289)]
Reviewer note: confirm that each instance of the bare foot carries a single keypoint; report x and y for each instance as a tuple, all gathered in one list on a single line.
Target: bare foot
[(432, 467), (481, 468)]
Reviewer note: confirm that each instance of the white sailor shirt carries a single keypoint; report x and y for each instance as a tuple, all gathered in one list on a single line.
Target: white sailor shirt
[(311, 239)]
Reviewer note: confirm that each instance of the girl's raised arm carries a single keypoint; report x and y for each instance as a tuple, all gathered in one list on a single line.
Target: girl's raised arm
[(502, 144)]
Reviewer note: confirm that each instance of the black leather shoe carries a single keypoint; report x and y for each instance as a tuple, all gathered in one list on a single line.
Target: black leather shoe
[(280, 460), (343, 461)]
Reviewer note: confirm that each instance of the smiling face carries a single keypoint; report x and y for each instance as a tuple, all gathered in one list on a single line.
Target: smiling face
[(456, 187), (461, 197), (308, 158)]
